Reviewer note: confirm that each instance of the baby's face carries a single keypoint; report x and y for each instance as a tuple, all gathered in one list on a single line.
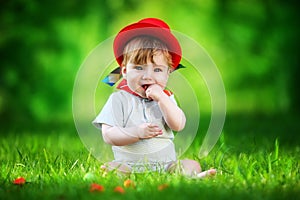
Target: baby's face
[(140, 77)]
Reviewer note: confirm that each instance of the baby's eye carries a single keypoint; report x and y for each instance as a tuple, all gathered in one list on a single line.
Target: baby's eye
[(157, 70), (138, 67)]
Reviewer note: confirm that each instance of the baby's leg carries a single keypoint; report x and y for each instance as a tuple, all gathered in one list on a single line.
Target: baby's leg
[(186, 167), (110, 166), (191, 168)]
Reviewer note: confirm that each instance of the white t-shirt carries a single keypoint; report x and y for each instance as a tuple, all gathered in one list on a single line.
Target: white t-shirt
[(126, 110)]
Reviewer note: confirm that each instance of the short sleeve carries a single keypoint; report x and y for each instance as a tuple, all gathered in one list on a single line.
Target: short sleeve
[(111, 114)]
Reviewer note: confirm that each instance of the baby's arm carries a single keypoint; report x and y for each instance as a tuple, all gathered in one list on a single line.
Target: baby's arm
[(123, 136), (173, 115)]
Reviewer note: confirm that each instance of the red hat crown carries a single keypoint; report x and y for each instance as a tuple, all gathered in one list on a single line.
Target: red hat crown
[(152, 27), (156, 22)]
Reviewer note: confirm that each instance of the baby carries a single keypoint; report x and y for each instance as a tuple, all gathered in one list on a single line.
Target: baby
[(138, 120)]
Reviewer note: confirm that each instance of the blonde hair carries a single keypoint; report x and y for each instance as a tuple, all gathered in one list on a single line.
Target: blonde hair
[(141, 50)]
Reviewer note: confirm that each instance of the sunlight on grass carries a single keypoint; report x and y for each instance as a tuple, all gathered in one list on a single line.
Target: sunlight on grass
[(58, 166)]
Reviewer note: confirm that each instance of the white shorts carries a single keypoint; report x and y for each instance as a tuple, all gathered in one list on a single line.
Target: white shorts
[(154, 161), (147, 167)]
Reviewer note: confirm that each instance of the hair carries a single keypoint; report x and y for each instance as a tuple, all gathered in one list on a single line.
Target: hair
[(142, 49)]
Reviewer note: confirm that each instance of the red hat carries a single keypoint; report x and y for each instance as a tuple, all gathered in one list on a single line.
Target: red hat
[(151, 27)]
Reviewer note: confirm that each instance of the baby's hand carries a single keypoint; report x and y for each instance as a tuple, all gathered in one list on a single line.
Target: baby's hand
[(154, 92), (148, 130)]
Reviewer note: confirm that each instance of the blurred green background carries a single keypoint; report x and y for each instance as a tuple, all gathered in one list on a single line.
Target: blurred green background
[(43, 43)]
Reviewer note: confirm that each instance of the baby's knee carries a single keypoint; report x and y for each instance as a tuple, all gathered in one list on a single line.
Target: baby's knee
[(190, 167)]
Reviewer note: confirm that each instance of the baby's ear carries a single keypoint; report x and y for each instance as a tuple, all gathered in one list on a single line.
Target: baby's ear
[(123, 71)]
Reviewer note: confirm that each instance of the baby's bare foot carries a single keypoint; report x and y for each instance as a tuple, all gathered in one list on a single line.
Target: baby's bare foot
[(208, 173)]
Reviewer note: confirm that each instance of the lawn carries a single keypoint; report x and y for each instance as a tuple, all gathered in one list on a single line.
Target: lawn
[(251, 165)]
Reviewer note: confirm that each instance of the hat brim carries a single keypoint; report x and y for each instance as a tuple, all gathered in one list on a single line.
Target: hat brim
[(139, 29)]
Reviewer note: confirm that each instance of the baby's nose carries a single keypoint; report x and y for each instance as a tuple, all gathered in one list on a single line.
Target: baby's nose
[(147, 74)]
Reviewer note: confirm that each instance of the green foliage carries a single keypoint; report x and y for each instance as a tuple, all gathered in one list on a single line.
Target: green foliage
[(43, 44)]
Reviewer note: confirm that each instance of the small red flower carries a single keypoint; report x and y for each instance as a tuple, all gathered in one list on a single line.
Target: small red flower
[(119, 189), (162, 186), (129, 183), (96, 188), (19, 181)]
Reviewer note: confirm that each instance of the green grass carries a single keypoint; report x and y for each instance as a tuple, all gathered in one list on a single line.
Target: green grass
[(54, 165)]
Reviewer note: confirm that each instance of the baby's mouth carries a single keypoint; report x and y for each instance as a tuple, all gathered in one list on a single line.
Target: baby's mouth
[(145, 87)]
